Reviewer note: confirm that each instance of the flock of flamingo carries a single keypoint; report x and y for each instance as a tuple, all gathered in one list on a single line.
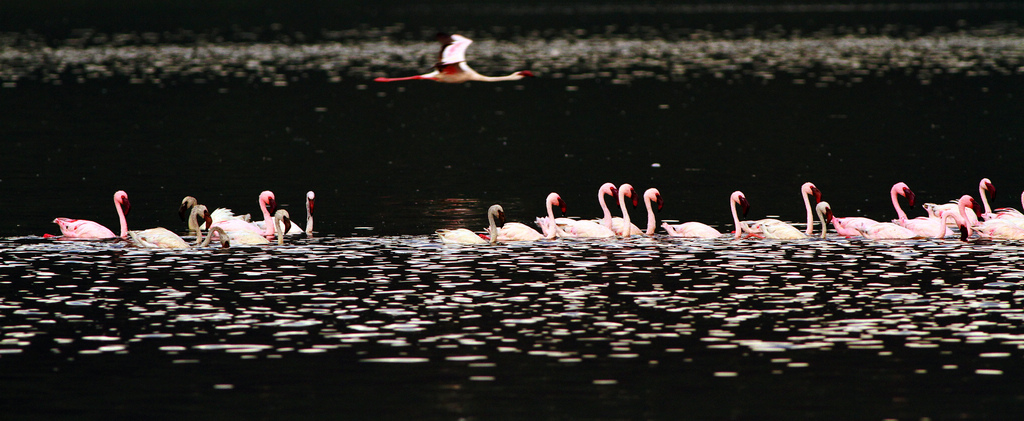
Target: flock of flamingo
[(1004, 223), (221, 224)]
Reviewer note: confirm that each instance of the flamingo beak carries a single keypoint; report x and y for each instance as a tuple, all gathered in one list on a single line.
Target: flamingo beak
[(745, 205), (183, 211), (501, 218), (817, 195), (272, 205), (632, 195), (127, 205), (615, 195), (207, 219), (526, 73), (909, 195), (991, 190), (561, 205), (310, 203), (963, 232), (974, 206), (661, 202)]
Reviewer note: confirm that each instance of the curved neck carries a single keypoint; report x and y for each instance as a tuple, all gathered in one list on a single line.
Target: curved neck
[(492, 228), (121, 219), (268, 221), (824, 225), (984, 199), (607, 219), (279, 225), (309, 220), (625, 214), (896, 204)]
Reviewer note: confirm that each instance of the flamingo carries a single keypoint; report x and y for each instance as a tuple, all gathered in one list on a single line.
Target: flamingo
[(922, 226), (515, 231), (163, 238), (824, 211), (737, 198), (310, 197), (577, 228), (218, 215), (652, 195), (622, 226), (268, 204), (84, 229), (225, 241), (778, 230), (451, 66), (282, 224), (1010, 214), (547, 223), (699, 229), (295, 230), (465, 236)]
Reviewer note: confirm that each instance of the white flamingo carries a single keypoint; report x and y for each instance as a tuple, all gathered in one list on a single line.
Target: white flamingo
[(652, 196), (465, 236), (824, 211), (779, 230), (218, 215), (622, 226), (85, 229), (451, 65), (163, 238)]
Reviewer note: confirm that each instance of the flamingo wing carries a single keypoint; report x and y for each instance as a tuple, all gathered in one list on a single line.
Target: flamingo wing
[(81, 228)]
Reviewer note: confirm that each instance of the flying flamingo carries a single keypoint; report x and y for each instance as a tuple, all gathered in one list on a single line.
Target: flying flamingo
[(451, 65), (465, 236), (81, 228), (582, 228), (652, 195)]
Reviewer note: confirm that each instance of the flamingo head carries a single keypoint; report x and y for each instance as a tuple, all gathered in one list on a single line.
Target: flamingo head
[(268, 201), (525, 73), (501, 217), (966, 201), (653, 195), (310, 198), (286, 219), (121, 198), (811, 189), (555, 200), (740, 199), (986, 185), (825, 210), (186, 205), (902, 189), (202, 216), (627, 190)]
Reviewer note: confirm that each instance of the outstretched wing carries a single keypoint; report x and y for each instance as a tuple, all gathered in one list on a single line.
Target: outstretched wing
[(455, 51)]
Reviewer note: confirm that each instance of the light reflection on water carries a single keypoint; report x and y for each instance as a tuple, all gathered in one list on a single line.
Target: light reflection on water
[(412, 299)]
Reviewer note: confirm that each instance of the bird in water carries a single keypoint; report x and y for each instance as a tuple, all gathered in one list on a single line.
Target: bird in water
[(451, 65)]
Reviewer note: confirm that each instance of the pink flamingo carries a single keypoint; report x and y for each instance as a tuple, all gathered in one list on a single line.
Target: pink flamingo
[(547, 223), (779, 230), (515, 231), (268, 204), (986, 186), (652, 195), (922, 226), (622, 226), (451, 66), (737, 198), (569, 227), (81, 228)]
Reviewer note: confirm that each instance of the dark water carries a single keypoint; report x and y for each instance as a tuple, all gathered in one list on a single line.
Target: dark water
[(373, 318)]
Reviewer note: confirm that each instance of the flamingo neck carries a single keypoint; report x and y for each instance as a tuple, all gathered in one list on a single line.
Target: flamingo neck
[(810, 215), (492, 227), (550, 228), (984, 199), (309, 225), (268, 221), (896, 204), (122, 220), (736, 219), (607, 220), (651, 220), (625, 214)]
